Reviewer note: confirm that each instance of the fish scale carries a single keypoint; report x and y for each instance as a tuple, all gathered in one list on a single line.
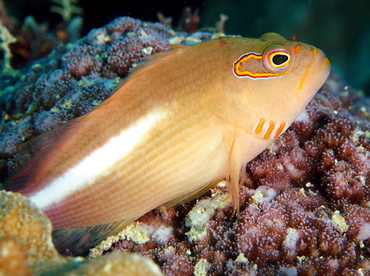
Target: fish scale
[(181, 121)]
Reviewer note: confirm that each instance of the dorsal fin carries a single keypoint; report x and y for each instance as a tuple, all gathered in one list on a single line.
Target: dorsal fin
[(150, 61)]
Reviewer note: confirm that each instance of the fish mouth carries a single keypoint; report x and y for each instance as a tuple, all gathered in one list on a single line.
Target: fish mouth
[(317, 73), (321, 67), (326, 62), (314, 77), (320, 56)]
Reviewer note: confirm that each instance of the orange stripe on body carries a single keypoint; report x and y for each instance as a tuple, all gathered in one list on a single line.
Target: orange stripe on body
[(280, 130), (269, 131), (273, 131), (260, 126)]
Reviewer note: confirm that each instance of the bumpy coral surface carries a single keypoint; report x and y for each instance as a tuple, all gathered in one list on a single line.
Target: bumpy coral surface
[(73, 80), (13, 259), (26, 247), (24, 227), (305, 201)]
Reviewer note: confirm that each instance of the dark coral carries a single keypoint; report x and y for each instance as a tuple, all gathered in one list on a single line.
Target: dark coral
[(74, 79)]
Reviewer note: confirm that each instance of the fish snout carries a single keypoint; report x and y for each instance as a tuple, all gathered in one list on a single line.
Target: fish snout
[(320, 56)]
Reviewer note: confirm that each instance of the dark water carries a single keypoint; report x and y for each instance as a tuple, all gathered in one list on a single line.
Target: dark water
[(341, 28)]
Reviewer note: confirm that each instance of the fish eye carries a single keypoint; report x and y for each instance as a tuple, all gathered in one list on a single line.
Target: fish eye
[(276, 59), (279, 59)]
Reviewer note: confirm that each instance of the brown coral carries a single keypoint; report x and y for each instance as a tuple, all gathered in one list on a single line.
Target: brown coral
[(26, 247), (13, 259), (22, 221)]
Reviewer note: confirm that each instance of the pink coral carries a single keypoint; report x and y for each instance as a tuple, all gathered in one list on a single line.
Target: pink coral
[(304, 203)]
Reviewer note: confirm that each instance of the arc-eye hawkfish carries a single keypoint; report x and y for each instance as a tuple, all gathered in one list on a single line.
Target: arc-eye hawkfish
[(182, 121)]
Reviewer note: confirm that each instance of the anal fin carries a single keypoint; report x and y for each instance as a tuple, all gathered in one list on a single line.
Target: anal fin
[(77, 241)]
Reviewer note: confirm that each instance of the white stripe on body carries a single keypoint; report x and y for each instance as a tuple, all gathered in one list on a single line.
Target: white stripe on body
[(88, 170)]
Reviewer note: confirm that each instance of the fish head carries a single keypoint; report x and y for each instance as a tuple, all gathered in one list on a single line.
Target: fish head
[(273, 80)]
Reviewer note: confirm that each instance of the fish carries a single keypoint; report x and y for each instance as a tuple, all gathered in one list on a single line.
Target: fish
[(182, 121)]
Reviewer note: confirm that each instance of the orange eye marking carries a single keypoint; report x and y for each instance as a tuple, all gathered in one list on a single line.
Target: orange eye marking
[(294, 38), (238, 72), (314, 50), (279, 130), (297, 48), (260, 126), (269, 131)]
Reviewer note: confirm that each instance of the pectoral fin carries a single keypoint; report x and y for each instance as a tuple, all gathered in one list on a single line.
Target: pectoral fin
[(234, 174)]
